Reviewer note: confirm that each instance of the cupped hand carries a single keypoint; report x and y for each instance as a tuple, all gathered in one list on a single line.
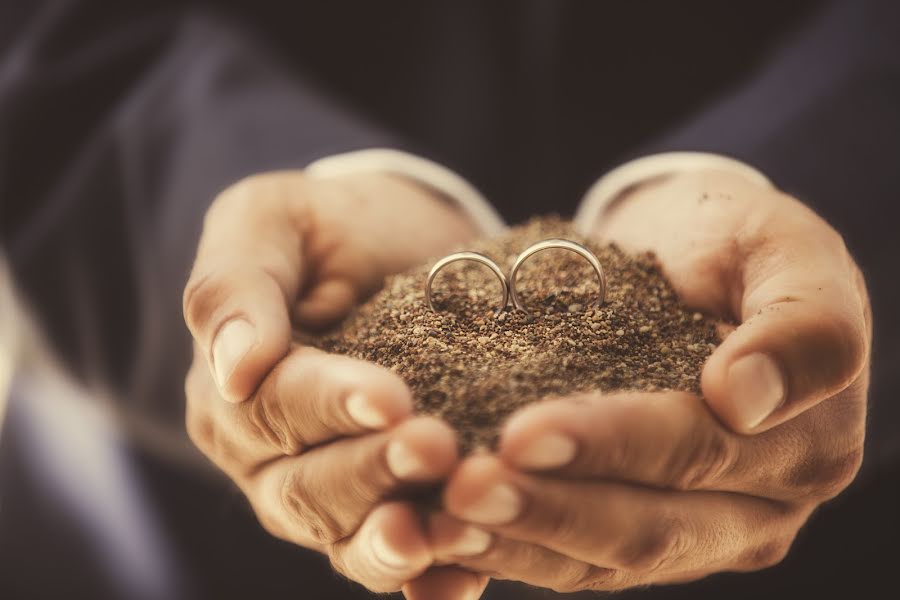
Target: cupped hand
[(323, 446), (613, 491)]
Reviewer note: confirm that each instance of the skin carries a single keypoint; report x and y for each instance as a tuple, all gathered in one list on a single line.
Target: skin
[(647, 488), (280, 251), (670, 487)]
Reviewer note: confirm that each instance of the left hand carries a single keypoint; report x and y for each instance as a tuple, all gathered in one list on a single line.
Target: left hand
[(324, 447), (609, 492)]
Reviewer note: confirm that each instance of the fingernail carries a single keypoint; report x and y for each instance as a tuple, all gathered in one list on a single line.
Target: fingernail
[(757, 388), (549, 451), (386, 554), (403, 461), (232, 343), (364, 413), (471, 542), (501, 504)]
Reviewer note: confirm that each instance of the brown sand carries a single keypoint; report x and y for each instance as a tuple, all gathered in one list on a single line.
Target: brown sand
[(473, 368)]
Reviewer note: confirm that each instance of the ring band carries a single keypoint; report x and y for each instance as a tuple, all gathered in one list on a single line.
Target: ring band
[(473, 256), (555, 243)]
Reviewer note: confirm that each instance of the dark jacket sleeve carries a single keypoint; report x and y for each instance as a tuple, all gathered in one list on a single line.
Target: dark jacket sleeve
[(119, 125)]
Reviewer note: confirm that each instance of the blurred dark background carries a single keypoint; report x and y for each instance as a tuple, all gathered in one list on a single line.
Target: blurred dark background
[(530, 99)]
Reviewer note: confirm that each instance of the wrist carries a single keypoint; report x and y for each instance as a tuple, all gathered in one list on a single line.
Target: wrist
[(400, 202), (632, 177), (445, 211), (425, 173), (681, 191), (627, 206)]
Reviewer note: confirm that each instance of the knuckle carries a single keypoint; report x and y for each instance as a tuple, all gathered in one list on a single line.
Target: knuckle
[(375, 583), (338, 562), (587, 577), (201, 431), (767, 555), (267, 422), (236, 195), (559, 524), (202, 296), (620, 456), (611, 580), (838, 336), (824, 479), (339, 565), (660, 546), (254, 183), (203, 428), (369, 476), (306, 509), (273, 190), (841, 472), (271, 524), (707, 461), (849, 340), (205, 434)]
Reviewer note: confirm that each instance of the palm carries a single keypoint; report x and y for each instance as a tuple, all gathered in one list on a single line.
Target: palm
[(354, 244), (699, 236)]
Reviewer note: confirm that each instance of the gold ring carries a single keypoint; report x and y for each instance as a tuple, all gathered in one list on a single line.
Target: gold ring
[(546, 245), (473, 256)]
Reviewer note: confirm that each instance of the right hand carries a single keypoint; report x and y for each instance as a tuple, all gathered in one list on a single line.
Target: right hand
[(317, 442), (610, 491)]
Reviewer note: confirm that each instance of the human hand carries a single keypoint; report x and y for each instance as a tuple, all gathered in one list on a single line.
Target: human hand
[(608, 492), (317, 442)]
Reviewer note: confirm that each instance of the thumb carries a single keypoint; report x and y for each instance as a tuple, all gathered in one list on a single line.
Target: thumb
[(247, 270), (803, 338)]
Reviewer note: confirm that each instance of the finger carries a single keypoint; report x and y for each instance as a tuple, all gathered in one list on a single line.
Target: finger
[(325, 494), (767, 261), (247, 271), (503, 558), (803, 335), (672, 440), (389, 550), (620, 526), (314, 397), (661, 439), (311, 397), (325, 305), (446, 583), (452, 539)]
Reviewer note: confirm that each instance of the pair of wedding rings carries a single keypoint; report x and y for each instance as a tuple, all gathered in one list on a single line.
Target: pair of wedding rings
[(508, 285)]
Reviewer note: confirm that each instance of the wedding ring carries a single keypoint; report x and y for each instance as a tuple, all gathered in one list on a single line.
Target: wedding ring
[(546, 245), (473, 256)]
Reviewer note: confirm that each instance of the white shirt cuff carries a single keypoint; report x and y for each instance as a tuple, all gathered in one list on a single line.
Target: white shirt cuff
[(609, 187), (420, 170)]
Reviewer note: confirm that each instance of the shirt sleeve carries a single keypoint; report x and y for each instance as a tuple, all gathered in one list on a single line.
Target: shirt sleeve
[(611, 186), (425, 172)]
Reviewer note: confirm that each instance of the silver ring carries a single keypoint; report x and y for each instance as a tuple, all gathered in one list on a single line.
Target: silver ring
[(546, 245), (474, 256)]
